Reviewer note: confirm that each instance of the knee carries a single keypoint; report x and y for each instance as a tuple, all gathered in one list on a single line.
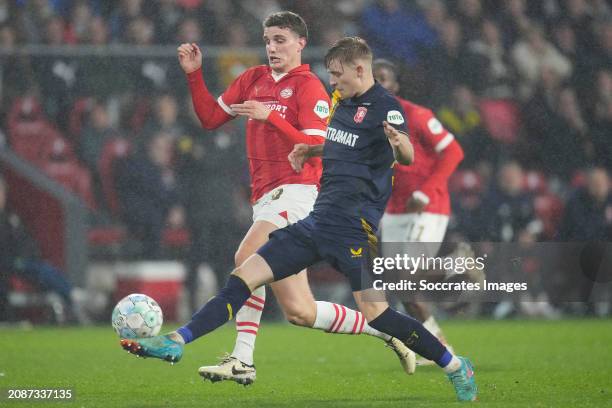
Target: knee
[(241, 255), (299, 314)]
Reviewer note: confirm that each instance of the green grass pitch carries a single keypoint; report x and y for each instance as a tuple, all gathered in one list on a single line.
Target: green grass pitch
[(518, 363)]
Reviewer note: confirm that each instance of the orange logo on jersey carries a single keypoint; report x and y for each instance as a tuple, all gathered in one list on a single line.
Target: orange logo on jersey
[(356, 252), (360, 115)]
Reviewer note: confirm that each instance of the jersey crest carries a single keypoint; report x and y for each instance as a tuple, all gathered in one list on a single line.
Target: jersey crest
[(360, 115), (286, 93)]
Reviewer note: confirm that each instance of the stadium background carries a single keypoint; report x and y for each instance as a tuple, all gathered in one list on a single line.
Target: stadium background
[(91, 90)]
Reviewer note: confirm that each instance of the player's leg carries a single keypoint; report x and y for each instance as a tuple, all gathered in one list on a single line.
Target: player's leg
[(216, 312), (249, 316), (300, 308), (426, 228), (238, 366), (414, 335), (276, 209)]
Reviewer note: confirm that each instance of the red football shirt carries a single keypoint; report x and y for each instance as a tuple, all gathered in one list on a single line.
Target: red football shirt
[(300, 98), (429, 139)]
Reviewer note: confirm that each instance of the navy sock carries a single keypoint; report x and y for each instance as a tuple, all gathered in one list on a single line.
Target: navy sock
[(218, 311), (413, 334)]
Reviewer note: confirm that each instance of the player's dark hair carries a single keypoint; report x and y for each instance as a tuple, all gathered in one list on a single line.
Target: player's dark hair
[(287, 19), (347, 50), (381, 63)]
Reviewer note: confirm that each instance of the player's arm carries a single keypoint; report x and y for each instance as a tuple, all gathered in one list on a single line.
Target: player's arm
[(209, 111), (403, 152), (312, 112), (258, 111), (449, 155)]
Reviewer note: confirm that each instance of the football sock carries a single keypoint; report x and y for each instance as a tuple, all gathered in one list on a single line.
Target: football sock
[(218, 311), (247, 325), (335, 318), (412, 333), (453, 365)]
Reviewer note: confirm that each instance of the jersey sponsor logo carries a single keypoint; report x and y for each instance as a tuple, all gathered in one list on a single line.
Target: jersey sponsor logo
[(435, 126), (360, 115), (321, 109), (395, 117), (340, 136), (286, 93), (356, 253), (281, 109)]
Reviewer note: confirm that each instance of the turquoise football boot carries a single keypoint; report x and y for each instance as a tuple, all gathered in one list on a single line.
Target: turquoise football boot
[(463, 381), (162, 347)]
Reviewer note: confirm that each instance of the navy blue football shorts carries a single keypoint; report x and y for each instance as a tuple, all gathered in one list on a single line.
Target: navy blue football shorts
[(349, 250)]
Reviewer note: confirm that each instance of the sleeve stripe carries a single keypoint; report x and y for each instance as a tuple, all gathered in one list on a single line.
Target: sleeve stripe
[(226, 108), (314, 132), (443, 144)]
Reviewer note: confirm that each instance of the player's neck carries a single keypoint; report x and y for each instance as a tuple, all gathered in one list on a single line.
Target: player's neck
[(282, 72), (366, 85)]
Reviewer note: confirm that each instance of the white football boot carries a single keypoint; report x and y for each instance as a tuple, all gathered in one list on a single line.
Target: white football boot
[(406, 356), (230, 368)]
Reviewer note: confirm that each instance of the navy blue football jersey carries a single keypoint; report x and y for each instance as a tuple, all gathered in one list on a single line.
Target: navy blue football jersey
[(358, 159)]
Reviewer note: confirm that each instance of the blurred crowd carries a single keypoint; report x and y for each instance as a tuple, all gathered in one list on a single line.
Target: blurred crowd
[(525, 86)]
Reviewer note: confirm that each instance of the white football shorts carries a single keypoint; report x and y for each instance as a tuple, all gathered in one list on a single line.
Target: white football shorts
[(285, 204), (415, 227)]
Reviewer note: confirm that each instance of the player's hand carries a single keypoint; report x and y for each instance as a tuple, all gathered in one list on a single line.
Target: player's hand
[(394, 135), (253, 109), (190, 57), (415, 205), (298, 156)]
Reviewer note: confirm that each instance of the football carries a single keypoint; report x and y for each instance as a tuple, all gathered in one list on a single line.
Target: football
[(137, 315)]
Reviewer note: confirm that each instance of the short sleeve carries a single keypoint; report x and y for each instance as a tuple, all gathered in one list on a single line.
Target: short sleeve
[(313, 108), (395, 115)]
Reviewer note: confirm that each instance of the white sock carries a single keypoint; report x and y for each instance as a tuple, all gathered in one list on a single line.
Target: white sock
[(454, 365), (335, 318), (432, 326), (176, 336), (247, 325)]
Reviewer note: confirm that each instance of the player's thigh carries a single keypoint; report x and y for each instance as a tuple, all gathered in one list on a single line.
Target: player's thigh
[(276, 209), (370, 302), (290, 250), (254, 239), (296, 299)]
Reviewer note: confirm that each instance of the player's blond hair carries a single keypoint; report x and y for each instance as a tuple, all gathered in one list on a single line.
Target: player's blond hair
[(348, 50)]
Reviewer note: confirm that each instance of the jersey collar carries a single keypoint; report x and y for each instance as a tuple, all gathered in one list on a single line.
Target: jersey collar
[(368, 95), (299, 68)]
